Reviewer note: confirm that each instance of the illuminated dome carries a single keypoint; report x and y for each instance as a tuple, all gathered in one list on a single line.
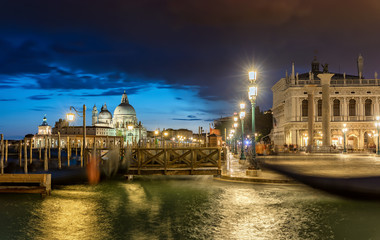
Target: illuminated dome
[(104, 114), (124, 107)]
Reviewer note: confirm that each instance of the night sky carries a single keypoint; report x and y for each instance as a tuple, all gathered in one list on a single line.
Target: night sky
[(182, 63)]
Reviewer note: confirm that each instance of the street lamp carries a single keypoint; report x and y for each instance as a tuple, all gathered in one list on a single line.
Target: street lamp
[(242, 115), (70, 117), (377, 124), (235, 142), (252, 94), (156, 132), (344, 130)]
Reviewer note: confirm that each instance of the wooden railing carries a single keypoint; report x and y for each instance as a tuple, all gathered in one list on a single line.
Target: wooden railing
[(175, 161)]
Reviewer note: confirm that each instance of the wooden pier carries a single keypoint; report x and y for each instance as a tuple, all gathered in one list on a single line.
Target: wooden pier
[(25, 183)]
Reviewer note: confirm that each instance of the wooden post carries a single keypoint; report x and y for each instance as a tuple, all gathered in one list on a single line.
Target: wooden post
[(81, 155), (49, 145), (193, 160), (2, 153), (46, 166), (20, 153), (31, 151), (219, 159), (39, 151), (25, 157), (165, 159), (59, 151), (68, 150), (6, 151)]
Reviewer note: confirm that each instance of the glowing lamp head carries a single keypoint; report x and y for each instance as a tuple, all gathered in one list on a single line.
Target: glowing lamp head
[(70, 117), (252, 92), (235, 119), (252, 76), (377, 118), (242, 106), (166, 134), (130, 127), (235, 125), (156, 132), (242, 115)]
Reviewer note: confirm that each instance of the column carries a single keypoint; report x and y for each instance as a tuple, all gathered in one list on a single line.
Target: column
[(376, 110), (310, 118), (344, 109), (360, 109), (325, 82)]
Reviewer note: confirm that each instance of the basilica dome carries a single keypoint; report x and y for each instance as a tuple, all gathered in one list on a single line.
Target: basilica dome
[(124, 107)]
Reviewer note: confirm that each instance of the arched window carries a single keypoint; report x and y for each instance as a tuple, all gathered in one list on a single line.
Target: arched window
[(352, 107), (304, 108), (319, 107), (336, 107), (368, 107)]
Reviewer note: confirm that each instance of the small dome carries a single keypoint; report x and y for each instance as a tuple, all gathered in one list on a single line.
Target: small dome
[(124, 109), (104, 113)]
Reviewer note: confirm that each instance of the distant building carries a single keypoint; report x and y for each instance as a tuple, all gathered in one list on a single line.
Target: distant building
[(350, 99), (44, 128), (123, 123)]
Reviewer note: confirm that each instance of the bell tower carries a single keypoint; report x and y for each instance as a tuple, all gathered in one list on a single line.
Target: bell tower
[(94, 115)]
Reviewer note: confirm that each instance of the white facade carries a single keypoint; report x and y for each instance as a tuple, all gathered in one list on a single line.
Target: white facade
[(44, 128), (124, 121), (354, 101)]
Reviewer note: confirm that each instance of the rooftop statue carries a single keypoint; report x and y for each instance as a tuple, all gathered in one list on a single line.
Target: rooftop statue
[(325, 68)]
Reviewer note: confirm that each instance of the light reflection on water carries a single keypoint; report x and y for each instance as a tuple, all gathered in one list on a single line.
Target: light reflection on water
[(186, 208)]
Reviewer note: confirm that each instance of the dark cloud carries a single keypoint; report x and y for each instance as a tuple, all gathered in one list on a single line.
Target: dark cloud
[(40, 97), (199, 43), (187, 119), (116, 92), (42, 109), (7, 100)]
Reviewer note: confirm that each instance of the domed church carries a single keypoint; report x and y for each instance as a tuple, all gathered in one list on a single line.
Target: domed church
[(124, 121)]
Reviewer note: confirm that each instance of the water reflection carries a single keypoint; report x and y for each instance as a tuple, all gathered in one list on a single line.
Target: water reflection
[(163, 208), (71, 214)]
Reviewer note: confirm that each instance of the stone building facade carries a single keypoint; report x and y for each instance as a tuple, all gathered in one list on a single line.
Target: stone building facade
[(298, 109)]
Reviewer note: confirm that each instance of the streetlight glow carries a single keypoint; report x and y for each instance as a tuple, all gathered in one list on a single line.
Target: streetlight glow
[(252, 75), (242, 106), (70, 117)]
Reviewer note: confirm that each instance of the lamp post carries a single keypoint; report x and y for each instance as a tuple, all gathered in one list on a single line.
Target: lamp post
[(70, 117), (377, 124), (242, 115), (235, 127), (252, 94), (344, 130), (155, 137), (232, 140)]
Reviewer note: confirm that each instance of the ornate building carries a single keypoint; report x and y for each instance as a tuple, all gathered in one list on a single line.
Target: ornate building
[(44, 128), (310, 109), (124, 121)]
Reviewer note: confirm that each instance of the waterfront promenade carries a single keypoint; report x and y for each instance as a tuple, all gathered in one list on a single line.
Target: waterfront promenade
[(317, 164)]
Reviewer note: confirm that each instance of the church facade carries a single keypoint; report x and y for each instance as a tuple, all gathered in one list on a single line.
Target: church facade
[(311, 109), (123, 122)]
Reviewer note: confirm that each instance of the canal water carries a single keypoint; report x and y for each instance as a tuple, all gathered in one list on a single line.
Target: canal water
[(186, 208)]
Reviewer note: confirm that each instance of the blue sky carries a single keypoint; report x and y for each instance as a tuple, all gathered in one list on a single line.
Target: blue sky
[(182, 63)]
